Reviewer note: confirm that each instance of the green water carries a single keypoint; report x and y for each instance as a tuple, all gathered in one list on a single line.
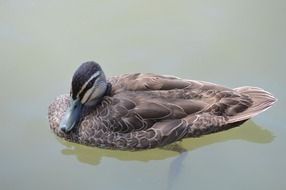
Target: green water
[(234, 43)]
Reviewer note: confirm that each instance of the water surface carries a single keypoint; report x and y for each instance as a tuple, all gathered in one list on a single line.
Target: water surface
[(229, 42)]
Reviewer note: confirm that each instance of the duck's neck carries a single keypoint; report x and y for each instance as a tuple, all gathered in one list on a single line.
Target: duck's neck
[(108, 89)]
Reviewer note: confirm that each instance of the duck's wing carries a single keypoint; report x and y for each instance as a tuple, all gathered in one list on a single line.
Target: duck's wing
[(134, 111), (140, 110), (155, 98), (141, 100), (227, 112), (149, 81)]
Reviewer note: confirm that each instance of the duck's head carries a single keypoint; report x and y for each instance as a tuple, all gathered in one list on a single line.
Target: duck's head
[(87, 89)]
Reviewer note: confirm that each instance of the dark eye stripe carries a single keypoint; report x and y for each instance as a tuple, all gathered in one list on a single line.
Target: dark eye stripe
[(88, 86)]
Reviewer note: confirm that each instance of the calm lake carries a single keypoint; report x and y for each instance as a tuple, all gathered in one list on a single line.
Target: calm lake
[(234, 43)]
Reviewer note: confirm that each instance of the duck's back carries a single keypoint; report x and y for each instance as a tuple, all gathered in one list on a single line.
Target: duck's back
[(171, 108)]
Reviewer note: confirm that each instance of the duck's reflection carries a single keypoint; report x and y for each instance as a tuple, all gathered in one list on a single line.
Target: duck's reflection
[(247, 132)]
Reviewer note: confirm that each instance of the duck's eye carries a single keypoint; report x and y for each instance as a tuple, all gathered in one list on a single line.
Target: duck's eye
[(88, 86)]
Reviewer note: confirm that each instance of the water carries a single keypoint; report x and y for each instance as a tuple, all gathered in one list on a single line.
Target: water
[(233, 43)]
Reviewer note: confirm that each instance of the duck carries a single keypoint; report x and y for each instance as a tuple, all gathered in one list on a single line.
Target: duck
[(143, 110)]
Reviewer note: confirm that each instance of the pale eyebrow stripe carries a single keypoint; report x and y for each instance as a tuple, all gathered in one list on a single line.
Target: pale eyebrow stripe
[(86, 83), (88, 94)]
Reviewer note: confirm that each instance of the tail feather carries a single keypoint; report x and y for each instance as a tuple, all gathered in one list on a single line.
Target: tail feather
[(262, 100)]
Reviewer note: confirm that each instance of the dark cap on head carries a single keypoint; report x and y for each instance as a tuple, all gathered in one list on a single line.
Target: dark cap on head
[(82, 75)]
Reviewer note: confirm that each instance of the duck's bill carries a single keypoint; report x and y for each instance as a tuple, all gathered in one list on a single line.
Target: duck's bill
[(72, 116)]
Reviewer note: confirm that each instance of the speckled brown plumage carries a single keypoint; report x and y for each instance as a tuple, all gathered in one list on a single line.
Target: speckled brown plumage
[(146, 111)]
